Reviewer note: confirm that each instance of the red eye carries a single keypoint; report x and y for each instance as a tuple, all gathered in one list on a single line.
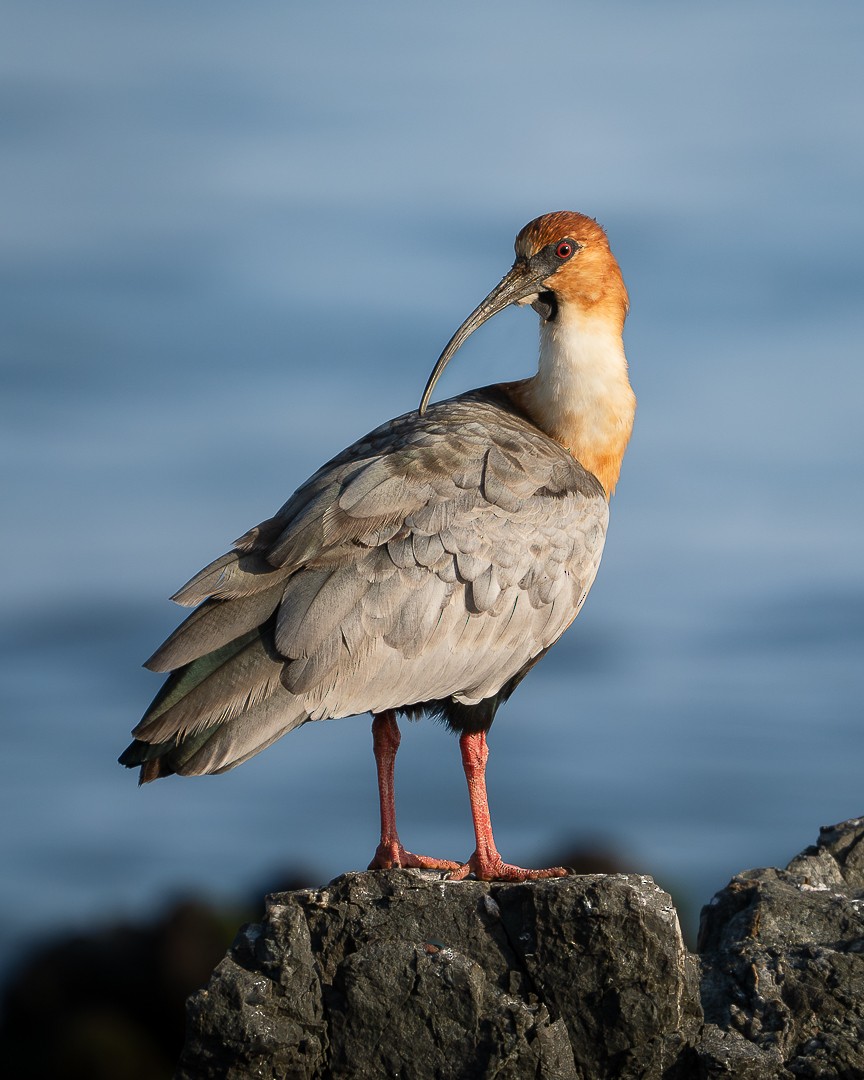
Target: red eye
[(564, 249)]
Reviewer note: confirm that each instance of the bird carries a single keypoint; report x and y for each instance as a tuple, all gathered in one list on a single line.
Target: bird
[(425, 569)]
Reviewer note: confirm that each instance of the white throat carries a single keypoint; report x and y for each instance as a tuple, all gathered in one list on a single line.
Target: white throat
[(581, 395)]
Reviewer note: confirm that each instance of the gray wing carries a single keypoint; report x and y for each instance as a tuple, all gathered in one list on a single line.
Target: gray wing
[(433, 559)]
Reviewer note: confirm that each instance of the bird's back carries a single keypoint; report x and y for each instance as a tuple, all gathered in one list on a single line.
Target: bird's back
[(425, 567)]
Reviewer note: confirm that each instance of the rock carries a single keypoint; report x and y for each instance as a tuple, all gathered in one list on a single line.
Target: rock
[(402, 974), (396, 973), (783, 971)]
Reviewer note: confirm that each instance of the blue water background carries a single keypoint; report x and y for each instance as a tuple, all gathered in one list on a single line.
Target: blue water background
[(235, 237)]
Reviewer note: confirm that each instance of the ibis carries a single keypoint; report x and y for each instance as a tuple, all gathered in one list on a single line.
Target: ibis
[(427, 568)]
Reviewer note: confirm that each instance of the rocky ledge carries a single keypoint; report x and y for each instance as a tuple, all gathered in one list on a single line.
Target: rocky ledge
[(402, 974)]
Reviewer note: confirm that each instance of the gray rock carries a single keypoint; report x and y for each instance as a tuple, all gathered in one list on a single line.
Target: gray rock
[(402, 974), (783, 971)]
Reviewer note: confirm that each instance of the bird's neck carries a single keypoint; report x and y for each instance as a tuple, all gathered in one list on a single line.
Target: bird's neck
[(581, 395)]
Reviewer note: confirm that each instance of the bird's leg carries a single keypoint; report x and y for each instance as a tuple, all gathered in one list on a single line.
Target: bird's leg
[(486, 864), (390, 853)]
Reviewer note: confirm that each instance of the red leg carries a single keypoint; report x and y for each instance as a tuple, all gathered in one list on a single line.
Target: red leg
[(390, 853), (486, 864)]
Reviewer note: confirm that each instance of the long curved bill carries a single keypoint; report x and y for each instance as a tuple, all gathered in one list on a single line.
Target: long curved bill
[(522, 280)]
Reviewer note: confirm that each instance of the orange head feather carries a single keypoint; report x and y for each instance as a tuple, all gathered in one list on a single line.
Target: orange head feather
[(592, 280)]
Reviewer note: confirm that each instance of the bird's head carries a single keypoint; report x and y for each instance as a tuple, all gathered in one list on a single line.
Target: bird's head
[(563, 261)]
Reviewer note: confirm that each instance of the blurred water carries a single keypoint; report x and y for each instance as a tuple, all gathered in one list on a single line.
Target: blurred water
[(235, 238)]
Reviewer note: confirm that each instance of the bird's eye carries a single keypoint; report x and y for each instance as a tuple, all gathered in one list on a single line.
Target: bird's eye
[(565, 249)]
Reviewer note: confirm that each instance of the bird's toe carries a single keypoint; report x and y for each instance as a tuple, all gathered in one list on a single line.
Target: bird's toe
[(393, 856), (495, 869)]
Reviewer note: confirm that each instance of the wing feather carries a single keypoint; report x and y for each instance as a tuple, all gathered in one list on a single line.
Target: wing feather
[(215, 623), (232, 743), (434, 559), (314, 606), (225, 685)]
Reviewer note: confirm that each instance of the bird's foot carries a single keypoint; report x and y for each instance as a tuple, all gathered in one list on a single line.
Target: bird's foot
[(493, 868), (392, 856)]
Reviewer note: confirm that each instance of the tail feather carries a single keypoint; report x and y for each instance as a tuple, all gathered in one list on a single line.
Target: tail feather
[(160, 759), (216, 688), (218, 748), (182, 681)]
